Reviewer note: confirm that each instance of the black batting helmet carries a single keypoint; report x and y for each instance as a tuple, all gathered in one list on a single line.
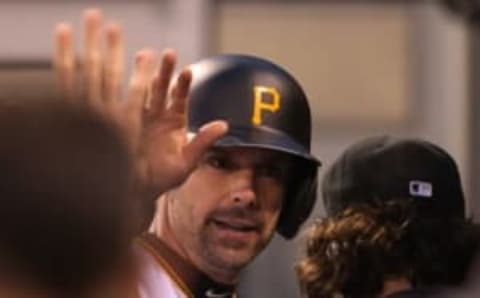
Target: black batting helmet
[(265, 108)]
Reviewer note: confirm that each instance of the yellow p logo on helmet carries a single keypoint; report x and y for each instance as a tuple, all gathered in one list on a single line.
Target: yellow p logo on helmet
[(260, 104)]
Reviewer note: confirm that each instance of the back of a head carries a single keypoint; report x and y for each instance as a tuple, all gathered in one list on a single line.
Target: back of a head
[(63, 184), (354, 252), (380, 170), (357, 252)]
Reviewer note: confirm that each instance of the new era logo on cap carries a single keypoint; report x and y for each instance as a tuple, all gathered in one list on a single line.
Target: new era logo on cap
[(420, 189)]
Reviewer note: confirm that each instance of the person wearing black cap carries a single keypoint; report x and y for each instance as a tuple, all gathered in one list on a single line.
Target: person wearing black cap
[(396, 210), (381, 168), (232, 189)]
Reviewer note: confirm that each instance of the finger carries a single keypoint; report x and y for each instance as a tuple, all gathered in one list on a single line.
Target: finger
[(150, 67), (114, 63), (180, 92), (207, 135), (64, 59), (141, 79), (162, 81), (93, 57)]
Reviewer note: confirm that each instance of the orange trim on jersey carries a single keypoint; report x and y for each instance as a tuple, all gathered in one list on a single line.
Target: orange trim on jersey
[(165, 265)]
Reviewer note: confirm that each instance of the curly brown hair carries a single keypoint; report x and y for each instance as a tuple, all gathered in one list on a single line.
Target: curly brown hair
[(341, 248), (353, 253)]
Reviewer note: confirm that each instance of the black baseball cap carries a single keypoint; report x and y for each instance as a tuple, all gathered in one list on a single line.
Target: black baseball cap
[(384, 168)]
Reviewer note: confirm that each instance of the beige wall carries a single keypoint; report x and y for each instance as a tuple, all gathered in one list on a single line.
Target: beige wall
[(353, 60), (26, 26)]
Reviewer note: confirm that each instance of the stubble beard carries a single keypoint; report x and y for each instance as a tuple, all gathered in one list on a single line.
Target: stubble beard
[(226, 256)]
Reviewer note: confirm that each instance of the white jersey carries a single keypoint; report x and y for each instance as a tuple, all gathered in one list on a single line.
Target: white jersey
[(154, 279)]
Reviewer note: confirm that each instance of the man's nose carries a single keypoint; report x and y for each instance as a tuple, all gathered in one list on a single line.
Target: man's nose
[(243, 188)]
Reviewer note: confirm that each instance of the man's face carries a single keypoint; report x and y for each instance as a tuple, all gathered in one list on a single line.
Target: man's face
[(227, 210)]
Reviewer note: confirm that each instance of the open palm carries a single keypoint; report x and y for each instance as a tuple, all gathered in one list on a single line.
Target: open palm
[(152, 116)]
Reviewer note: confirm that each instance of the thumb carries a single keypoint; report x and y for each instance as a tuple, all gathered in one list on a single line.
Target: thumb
[(207, 135)]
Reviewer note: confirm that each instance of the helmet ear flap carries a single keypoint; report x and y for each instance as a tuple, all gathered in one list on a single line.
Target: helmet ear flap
[(299, 202)]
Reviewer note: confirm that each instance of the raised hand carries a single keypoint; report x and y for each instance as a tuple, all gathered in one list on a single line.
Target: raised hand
[(152, 116), (165, 128)]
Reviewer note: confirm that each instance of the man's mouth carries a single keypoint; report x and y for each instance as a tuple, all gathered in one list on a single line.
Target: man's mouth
[(237, 225)]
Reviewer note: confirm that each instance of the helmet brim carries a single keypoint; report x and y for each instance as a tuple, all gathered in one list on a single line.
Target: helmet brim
[(265, 138)]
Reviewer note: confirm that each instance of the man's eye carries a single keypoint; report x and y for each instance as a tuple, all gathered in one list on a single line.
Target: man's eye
[(272, 171), (217, 162)]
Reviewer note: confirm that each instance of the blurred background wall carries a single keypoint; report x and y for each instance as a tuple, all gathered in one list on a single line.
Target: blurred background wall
[(400, 68)]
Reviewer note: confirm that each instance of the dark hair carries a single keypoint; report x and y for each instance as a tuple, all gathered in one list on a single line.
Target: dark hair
[(63, 184), (354, 252)]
